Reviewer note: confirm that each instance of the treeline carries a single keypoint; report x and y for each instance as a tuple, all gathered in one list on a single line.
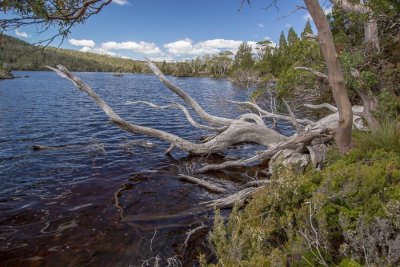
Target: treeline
[(16, 54)]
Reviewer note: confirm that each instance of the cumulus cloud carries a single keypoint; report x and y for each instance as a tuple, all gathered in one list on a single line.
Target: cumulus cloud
[(261, 25), (99, 50), (82, 42), (214, 46), (21, 34), (120, 2), (140, 47)]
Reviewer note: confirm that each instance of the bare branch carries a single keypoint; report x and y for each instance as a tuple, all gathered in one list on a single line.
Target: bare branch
[(207, 185), (191, 232), (187, 98), (293, 118), (184, 110), (237, 132), (315, 72), (269, 114), (323, 105), (267, 154), (230, 200)]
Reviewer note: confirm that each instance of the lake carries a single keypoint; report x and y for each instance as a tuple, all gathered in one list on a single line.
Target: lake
[(96, 199)]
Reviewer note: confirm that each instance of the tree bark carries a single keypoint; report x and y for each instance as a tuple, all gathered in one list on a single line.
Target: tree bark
[(335, 76)]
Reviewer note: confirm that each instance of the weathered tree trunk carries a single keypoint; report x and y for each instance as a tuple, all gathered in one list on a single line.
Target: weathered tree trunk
[(371, 33), (335, 76), (370, 104)]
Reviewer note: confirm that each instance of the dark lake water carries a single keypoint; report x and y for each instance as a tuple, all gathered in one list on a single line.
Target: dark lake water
[(96, 200)]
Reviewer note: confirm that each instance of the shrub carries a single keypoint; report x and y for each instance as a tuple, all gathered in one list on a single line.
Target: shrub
[(347, 214)]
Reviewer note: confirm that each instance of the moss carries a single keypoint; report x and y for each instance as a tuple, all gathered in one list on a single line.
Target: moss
[(320, 216)]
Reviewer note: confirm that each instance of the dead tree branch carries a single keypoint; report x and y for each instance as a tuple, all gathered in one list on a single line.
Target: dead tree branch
[(207, 185)]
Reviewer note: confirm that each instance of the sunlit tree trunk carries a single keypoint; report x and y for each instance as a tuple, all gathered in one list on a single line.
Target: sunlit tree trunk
[(335, 76)]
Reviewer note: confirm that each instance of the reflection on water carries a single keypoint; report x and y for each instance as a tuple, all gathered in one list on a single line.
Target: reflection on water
[(95, 198)]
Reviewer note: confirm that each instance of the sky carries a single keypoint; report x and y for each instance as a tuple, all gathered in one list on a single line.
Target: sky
[(177, 29)]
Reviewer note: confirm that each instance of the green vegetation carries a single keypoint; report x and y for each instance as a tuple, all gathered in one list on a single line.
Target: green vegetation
[(18, 55), (5, 73), (348, 214)]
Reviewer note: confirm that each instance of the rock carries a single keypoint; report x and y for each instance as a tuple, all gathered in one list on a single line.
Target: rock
[(288, 158)]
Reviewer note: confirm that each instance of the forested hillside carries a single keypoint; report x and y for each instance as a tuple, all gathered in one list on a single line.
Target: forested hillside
[(16, 54)]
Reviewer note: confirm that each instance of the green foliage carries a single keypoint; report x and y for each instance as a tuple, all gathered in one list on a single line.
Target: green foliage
[(244, 57), (282, 41), (386, 137), (389, 105), (5, 73), (357, 76), (307, 29), (292, 37), (321, 217), (19, 55)]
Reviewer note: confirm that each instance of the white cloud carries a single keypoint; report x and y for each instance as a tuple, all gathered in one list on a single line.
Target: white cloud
[(140, 47), (120, 2), (85, 49), (182, 47), (21, 34), (214, 46), (99, 50), (83, 42), (261, 25), (288, 25)]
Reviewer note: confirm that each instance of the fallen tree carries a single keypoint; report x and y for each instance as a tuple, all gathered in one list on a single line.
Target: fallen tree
[(247, 128)]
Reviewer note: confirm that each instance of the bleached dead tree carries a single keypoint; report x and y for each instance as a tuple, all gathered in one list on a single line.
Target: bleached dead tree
[(248, 128)]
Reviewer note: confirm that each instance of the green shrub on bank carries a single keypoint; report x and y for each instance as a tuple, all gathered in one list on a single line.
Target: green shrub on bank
[(347, 214)]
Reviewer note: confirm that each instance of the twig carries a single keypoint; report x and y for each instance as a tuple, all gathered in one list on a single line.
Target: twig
[(151, 241), (191, 232)]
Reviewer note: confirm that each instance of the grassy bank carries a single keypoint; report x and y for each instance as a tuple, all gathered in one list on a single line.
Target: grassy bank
[(348, 214)]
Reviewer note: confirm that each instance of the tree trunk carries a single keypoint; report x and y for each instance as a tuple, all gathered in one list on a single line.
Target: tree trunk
[(370, 104), (335, 76), (371, 33)]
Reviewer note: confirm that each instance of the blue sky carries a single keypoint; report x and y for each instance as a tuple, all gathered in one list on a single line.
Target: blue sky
[(177, 29)]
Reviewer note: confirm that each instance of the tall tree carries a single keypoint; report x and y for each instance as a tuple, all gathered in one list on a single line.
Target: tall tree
[(282, 41), (244, 57), (307, 29), (335, 75), (292, 37)]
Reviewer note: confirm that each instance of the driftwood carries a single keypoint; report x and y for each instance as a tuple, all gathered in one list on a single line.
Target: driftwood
[(209, 186), (191, 232), (256, 183), (308, 144), (230, 200)]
